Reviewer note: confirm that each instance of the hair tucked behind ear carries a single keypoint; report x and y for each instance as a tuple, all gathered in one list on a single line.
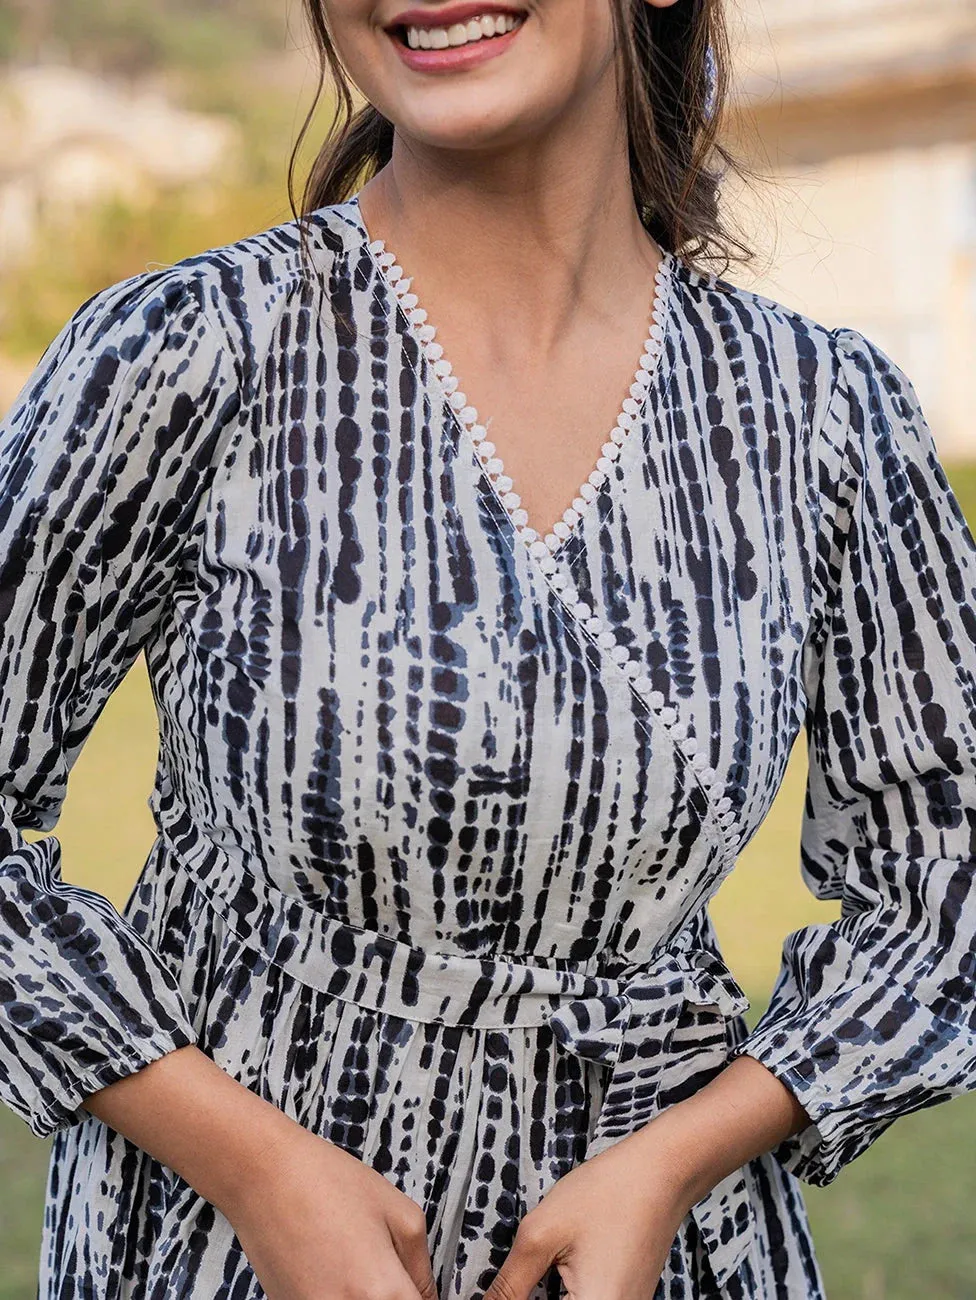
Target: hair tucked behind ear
[(674, 104)]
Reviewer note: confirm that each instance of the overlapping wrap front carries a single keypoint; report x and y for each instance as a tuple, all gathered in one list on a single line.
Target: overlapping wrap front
[(660, 1028)]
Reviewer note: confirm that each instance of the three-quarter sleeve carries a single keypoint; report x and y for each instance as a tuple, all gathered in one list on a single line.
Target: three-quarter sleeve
[(873, 1016), (104, 461)]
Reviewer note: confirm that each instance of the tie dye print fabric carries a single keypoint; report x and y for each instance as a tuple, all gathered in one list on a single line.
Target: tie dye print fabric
[(432, 873)]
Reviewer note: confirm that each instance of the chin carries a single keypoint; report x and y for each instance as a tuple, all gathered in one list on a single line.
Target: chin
[(466, 120)]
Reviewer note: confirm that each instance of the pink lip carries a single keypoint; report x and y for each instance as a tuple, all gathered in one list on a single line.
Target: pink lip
[(454, 57), (428, 16)]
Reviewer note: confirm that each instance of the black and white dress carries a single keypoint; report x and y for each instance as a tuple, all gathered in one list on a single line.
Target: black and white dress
[(441, 803)]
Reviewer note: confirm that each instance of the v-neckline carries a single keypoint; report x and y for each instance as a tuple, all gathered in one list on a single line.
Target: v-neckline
[(619, 444)]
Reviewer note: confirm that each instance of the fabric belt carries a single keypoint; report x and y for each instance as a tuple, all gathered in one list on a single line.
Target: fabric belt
[(655, 1026)]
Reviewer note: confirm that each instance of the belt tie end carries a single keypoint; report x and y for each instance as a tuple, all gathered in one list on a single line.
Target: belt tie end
[(631, 1030)]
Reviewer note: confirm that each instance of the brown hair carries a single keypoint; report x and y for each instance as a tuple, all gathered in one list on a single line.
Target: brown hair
[(677, 161)]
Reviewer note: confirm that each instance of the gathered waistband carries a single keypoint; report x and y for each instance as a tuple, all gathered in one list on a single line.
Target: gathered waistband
[(657, 1025)]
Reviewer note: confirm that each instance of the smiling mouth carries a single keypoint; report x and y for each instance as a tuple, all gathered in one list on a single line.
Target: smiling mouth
[(481, 27)]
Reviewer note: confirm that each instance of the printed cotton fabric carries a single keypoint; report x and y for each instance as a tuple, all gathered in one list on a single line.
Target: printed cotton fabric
[(393, 755)]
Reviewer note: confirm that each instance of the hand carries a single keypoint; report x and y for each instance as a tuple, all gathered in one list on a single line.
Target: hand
[(325, 1226), (314, 1222), (607, 1225)]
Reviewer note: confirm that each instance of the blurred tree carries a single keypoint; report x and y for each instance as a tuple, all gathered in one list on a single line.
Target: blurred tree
[(27, 26)]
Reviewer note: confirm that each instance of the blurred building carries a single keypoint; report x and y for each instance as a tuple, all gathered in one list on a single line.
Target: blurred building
[(864, 112)]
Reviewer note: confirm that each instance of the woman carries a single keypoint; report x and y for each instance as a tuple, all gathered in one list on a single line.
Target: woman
[(417, 993)]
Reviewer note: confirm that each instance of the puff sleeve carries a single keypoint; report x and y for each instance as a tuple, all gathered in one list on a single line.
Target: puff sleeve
[(873, 1016), (104, 461)]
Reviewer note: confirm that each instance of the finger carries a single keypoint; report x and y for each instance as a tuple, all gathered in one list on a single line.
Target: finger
[(415, 1258), (397, 1285), (527, 1262), (384, 1277), (411, 1245)]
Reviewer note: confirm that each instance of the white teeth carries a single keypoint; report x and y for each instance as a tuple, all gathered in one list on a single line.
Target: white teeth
[(476, 29)]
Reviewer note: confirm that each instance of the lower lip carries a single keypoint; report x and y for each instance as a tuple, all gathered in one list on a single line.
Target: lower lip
[(456, 57)]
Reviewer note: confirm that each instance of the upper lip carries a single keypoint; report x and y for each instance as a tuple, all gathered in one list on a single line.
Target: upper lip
[(446, 15)]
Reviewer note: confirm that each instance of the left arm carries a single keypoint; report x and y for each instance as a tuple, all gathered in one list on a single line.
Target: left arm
[(742, 1113), (608, 1225), (873, 1015)]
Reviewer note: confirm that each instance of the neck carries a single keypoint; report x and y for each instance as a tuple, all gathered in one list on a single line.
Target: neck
[(535, 234)]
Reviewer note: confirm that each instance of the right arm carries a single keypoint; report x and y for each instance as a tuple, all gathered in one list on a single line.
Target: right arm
[(105, 460), (276, 1182)]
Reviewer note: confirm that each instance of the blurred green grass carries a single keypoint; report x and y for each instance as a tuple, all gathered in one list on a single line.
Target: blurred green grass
[(896, 1224)]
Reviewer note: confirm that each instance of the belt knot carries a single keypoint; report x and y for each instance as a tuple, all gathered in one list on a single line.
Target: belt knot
[(635, 1019)]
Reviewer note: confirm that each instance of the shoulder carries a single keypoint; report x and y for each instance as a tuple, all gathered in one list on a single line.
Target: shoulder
[(227, 299), (838, 365), (272, 265), (745, 311), (774, 327)]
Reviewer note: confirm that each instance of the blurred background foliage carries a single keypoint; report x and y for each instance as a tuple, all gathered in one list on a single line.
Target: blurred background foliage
[(130, 38), (243, 61), (897, 1223)]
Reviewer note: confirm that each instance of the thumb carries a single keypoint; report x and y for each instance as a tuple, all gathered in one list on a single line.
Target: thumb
[(529, 1259)]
